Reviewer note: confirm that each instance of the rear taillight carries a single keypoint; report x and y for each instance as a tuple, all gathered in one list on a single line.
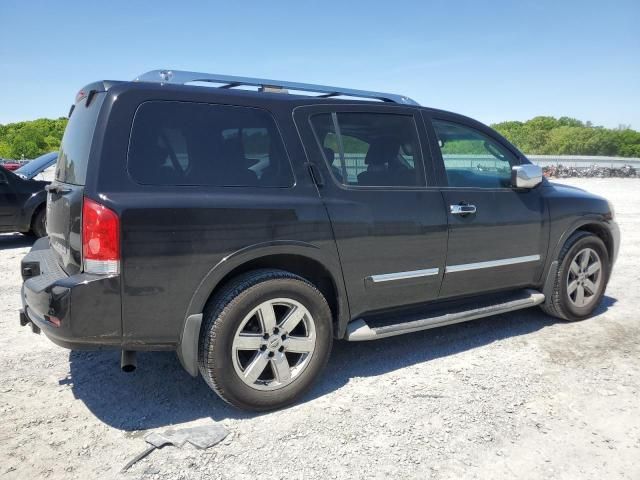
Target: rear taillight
[(100, 238)]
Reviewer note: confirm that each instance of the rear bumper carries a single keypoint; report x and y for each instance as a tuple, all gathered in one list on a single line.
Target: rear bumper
[(81, 311)]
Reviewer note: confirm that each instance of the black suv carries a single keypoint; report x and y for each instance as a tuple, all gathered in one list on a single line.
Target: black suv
[(247, 229)]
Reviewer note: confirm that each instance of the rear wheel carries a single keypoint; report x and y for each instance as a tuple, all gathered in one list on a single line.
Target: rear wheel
[(581, 278), (266, 337)]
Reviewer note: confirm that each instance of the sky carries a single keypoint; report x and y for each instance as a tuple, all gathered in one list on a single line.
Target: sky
[(494, 61)]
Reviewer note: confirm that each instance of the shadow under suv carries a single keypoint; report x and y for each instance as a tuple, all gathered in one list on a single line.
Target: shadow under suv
[(247, 230)]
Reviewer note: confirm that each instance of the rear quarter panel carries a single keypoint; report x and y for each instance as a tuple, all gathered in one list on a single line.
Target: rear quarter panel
[(172, 237)]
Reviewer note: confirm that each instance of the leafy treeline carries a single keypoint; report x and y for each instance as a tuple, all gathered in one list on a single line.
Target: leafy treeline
[(568, 136), (540, 135), (31, 139)]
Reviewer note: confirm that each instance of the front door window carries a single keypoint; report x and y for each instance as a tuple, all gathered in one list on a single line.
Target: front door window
[(471, 158)]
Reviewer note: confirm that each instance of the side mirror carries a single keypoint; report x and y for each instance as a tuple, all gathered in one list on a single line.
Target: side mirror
[(526, 176)]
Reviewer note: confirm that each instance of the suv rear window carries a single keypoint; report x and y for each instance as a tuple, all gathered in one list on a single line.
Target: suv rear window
[(182, 143), (76, 141)]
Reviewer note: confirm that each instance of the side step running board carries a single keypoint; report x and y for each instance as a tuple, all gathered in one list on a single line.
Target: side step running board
[(358, 330)]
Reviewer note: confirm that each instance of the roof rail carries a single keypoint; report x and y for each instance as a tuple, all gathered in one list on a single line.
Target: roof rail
[(229, 81)]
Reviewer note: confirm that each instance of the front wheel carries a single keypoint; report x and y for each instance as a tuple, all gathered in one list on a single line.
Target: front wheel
[(266, 337), (581, 278), (39, 223)]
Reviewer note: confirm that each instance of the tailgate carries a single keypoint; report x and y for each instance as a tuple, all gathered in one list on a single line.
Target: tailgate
[(65, 194)]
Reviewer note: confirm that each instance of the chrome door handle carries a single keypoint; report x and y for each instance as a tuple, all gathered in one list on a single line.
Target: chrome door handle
[(462, 209)]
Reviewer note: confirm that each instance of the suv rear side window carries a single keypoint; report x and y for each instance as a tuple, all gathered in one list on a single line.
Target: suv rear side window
[(370, 149), (182, 143), (76, 141)]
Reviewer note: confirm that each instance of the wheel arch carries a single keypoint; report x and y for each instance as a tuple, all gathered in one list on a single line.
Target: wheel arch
[(300, 258), (604, 234), (593, 224), (34, 203)]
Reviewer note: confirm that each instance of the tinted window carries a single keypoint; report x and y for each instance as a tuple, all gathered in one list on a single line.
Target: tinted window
[(181, 143), (370, 149), (76, 141), (471, 158)]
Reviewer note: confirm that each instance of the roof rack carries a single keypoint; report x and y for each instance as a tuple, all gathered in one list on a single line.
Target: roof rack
[(229, 81)]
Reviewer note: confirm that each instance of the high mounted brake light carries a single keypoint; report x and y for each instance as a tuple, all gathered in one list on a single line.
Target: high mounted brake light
[(80, 95), (100, 238)]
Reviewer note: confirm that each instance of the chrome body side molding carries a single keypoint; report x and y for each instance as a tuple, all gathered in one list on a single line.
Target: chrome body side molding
[(491, 263), (389, 277)]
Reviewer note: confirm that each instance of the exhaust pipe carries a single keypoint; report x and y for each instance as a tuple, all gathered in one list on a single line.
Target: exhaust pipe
[(128, 361)]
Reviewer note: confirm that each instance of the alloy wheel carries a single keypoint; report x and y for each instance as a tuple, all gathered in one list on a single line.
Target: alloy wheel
[(274, 344), (585, 276)]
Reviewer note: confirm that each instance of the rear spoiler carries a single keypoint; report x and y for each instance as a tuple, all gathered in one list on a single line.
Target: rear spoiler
[(87, 92)]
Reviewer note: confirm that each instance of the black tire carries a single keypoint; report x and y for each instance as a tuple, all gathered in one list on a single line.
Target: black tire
[(223, 317), (39, 223), (559, 304)]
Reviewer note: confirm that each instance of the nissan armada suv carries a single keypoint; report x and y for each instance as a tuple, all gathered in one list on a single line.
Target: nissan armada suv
[(247, 229)]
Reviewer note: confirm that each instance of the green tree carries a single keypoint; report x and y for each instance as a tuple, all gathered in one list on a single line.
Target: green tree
[(539, 135), (31, 139), (569, 136)]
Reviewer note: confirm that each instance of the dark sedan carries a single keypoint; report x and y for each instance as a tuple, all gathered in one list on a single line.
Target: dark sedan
[(23, 198)]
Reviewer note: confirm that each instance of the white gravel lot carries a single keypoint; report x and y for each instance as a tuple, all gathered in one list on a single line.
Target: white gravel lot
[(514, 396)]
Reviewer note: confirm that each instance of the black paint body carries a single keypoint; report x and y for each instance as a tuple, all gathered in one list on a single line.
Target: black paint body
[(179, 243)]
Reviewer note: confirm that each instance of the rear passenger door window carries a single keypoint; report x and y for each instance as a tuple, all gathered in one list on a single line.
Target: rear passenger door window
[(370, 149), (471, 158), (182, 143)]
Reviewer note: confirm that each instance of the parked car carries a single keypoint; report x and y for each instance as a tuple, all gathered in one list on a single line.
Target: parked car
[(23, 198), (9, 165), (41, 168), (246, 230)]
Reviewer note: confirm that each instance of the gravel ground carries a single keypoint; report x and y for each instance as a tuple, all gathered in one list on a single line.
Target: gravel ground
[(514, 396)]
